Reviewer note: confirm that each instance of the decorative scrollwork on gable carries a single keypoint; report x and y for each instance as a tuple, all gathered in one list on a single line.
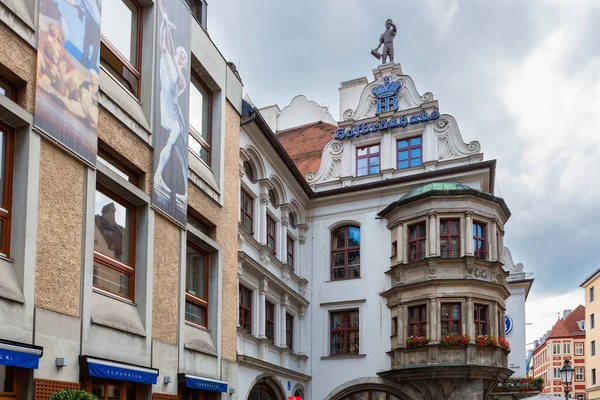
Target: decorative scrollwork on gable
[(331, 164), (450, 142)]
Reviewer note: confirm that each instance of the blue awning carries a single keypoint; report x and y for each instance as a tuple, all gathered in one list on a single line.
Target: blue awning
[(122, 372), (213, 385), (20, 355)]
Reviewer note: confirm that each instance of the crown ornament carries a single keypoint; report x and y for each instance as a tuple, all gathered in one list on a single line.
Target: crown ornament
[(388, 89)]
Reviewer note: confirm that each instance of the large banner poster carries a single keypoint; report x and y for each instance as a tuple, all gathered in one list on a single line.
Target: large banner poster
[(66, 103), (171, 109)]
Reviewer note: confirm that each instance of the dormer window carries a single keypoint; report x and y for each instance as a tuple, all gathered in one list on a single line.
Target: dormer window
[(367, 160)]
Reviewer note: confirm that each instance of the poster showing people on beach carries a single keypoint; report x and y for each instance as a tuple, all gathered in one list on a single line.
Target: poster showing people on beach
[(66, 104), (171, 113)]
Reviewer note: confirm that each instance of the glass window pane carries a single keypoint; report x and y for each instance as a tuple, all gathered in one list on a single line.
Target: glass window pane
[(199, 107), (2, 166), (354, 257), (454, 227), (7, 376), (119, 27), (353, 236), (374, 161), (112, 236), (444, 246), (362, 152), (339, 239), (338, 273), (354, 271), (362, 172), (456, 311), (353, 319), (362, 163), (402, 144), (402, 155), (338, 259), (374, 149), (402, 164), (353, 342), (378, 396), (111, 279), (195, 313), (113, 391), (443, 227), (415, 162), (196, 272), (415, 141), (98, 389), (374, 170), (337, 321), (415, 153), (337, 343)]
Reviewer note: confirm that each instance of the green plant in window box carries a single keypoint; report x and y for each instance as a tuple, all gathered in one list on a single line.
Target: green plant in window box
[(71, 394)]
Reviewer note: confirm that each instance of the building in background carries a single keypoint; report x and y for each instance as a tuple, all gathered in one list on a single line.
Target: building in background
[(98, 288), (592, 336), (566, 340)]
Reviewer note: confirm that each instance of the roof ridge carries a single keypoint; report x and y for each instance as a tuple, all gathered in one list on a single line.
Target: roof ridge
[(304, 126)]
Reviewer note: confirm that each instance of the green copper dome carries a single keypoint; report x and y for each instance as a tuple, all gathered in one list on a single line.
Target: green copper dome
[(449, 186)]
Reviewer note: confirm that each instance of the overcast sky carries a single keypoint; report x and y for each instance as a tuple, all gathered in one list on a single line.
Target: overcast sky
[(521, 77)]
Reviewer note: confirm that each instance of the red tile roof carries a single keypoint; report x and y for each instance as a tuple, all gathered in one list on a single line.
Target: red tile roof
[(305, 144), (568, 326)]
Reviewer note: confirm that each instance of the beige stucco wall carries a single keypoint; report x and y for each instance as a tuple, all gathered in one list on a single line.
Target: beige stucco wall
[(123, 141), (226, 221), (60, 220), (165, 281), (19, 58), (592, 362)]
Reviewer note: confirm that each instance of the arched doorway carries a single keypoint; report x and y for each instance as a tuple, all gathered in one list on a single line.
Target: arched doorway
[(370, 395), (260, 391)]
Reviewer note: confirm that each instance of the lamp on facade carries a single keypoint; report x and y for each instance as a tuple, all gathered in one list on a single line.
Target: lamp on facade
[(566, 375)]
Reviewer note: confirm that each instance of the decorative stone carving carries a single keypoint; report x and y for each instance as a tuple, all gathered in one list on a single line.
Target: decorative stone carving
[(480, 273), (399, 279), (330, 168), (450, 142), (264, 199)]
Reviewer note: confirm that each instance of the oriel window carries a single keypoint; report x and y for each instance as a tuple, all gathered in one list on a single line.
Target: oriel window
[(480, 318), (114, 244), (417, 320), (417, 238), (450, 318), (450, 238)]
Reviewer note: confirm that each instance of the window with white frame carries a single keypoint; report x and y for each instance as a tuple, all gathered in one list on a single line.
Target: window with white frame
[(580, 396), (566, 348), (556, 373), (556, 348), (578, 349), (579, 374)]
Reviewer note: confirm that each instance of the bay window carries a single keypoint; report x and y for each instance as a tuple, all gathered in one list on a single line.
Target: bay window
[(480, 318), (479, 240), (417, 320), (417, 237), (120, 49), (450, 318), (450, 238), (114, 244)]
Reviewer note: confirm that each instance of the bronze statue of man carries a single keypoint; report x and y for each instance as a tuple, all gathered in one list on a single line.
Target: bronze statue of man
[(387, 40)]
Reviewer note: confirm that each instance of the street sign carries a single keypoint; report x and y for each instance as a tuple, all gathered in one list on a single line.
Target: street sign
[(508, 323)]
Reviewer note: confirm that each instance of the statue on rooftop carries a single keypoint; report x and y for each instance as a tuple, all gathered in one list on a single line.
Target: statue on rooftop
[(387, 40)]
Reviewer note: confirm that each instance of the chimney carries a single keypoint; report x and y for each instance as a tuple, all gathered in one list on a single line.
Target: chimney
[(566, 313)]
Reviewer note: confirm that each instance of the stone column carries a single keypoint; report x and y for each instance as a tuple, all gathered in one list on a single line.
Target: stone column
[(501, 327), (463, 238), (402, 328), (432, 235), (469, 323), (283, 234), (494, 322), (400, 243), (240, 274), (404, 228), (299, 348), (263, 288), (469, 248), (501, 245), (432, 323), (285, 303), (261, 218), (299, 266), (493, 240)]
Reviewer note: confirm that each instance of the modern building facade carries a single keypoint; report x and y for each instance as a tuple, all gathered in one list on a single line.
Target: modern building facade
[(399, 243), (566, 340), (99, 288), (592, 365)]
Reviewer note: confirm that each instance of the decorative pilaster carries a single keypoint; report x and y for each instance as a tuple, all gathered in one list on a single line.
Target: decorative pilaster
[(470, 318), (299, 250), (285, 303), (299, 348), (433, 319), (433, 235), (501, 245), (400, 243), (494, 327), (469, 250), (264, 201), (463, 224), (402, 328), (263, 288), (493, 240)]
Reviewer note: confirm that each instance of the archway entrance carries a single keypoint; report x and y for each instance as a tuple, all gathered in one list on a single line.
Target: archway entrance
[(370, 395), (260, 391)]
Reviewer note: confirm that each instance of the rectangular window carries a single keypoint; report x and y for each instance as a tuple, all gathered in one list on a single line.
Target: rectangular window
[(270, 320), (394, 248), (8, 89), (344, 333), (417, 236), (580, 396), (289, 331), (271, 242), (367, 160), (593, 376), (117, 167), (480, 319), (345, 253), (592, 321), (593, 347), (591, 294), (479, 241), (247, 208), (566, 348), (245, 298), (200, 120), (196, 9), (450, 238), (450, 318), (120, 49), (556, 373), (409, 152), (417, 320), (556, 348), (579, 374), (114, 244), (6, 184), (8, 382), (290, 251), (196, 285), (578, 349), (394, 326), (108, 389)]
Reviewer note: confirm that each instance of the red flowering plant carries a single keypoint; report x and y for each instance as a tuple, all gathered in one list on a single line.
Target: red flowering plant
[(417, 341), (515, 384), (503, 343), (493, 341), (453, 339)]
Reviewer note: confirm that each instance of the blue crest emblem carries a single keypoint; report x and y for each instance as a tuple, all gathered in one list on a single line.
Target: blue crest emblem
[(388, 89)]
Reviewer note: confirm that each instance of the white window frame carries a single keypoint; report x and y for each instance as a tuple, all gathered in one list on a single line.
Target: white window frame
[(556, 373), (578, 349), (579, 371), (556, 349), (566, 348)]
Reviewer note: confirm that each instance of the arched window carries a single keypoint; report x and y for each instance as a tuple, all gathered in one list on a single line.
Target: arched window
[(345, 253), (249, 171), (261, 391), (371, 395), (273, 198)]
